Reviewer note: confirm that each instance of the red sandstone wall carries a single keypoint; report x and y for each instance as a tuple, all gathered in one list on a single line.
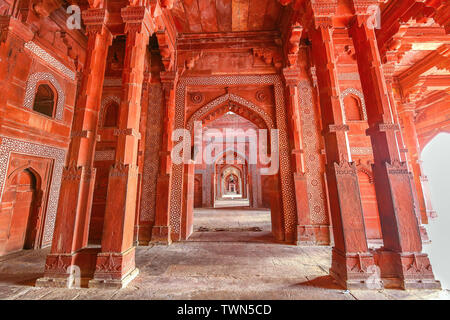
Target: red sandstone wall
[(36, 52)]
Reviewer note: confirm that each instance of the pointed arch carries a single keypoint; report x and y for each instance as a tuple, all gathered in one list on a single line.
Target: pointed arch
[(367, 171), (359, 95), (32, 85), (104, 108), (213, 105), (224, 152), (30, 169)]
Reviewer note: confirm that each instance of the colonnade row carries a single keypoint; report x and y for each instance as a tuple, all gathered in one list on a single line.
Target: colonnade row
[(401, 261)]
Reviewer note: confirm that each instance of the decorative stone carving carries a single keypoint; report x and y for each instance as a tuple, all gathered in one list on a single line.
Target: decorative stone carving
[(222, 99), (151, 158), (105, 155), (313, 159), (50, 60), (287, 184), (261, 96), (197, 97)]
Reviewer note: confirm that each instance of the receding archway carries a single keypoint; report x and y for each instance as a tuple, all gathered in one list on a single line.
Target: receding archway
[(232, 181)]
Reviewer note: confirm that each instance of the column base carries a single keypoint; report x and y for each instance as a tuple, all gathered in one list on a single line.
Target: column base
[(313, 235), (290, 237), (72, 270), (406, 270), (161, 235), (114, 270), (114, 283), (143, 233), (355, 271)]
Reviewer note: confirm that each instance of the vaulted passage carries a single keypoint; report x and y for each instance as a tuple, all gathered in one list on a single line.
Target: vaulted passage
[(290, 131)]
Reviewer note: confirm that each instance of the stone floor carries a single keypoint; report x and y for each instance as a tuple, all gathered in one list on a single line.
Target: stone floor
[(228, 203), (226, 263)]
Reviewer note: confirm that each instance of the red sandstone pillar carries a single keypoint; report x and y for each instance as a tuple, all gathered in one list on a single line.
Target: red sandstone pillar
[(276, 209), (75, 201), (351, 260), (395, 101), (115, 266), (161, 233), (401, 259), (187, 218), (292, 78), (141, 158), (406, 114)]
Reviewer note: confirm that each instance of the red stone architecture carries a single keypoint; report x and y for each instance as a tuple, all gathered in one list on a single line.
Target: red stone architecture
[(100, 98)]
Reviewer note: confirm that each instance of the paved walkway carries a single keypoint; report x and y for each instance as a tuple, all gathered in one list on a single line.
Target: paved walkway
[(209, 269)]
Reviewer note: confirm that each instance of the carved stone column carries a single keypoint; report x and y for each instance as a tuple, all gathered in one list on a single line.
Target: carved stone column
[(161, 233), (255, 180), (407, 114), (75, 201), (395, 101), (351, 260), (187, 218), (115, 266), (292, 78), (401, 259), (141, 154)]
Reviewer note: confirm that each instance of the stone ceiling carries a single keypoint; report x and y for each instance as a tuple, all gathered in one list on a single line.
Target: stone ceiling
[(206, 16)]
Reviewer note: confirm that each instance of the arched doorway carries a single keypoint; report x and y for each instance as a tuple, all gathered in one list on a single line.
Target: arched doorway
[(232, 182), (436, 160), (230, 179), (259, 99), (20, 221)]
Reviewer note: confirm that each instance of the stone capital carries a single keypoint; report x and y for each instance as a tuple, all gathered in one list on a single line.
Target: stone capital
[(323, 23), (95, 21), (169, 79), (323, 13), (362, 7), (291, 76), (93, 17), (137, 19)]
